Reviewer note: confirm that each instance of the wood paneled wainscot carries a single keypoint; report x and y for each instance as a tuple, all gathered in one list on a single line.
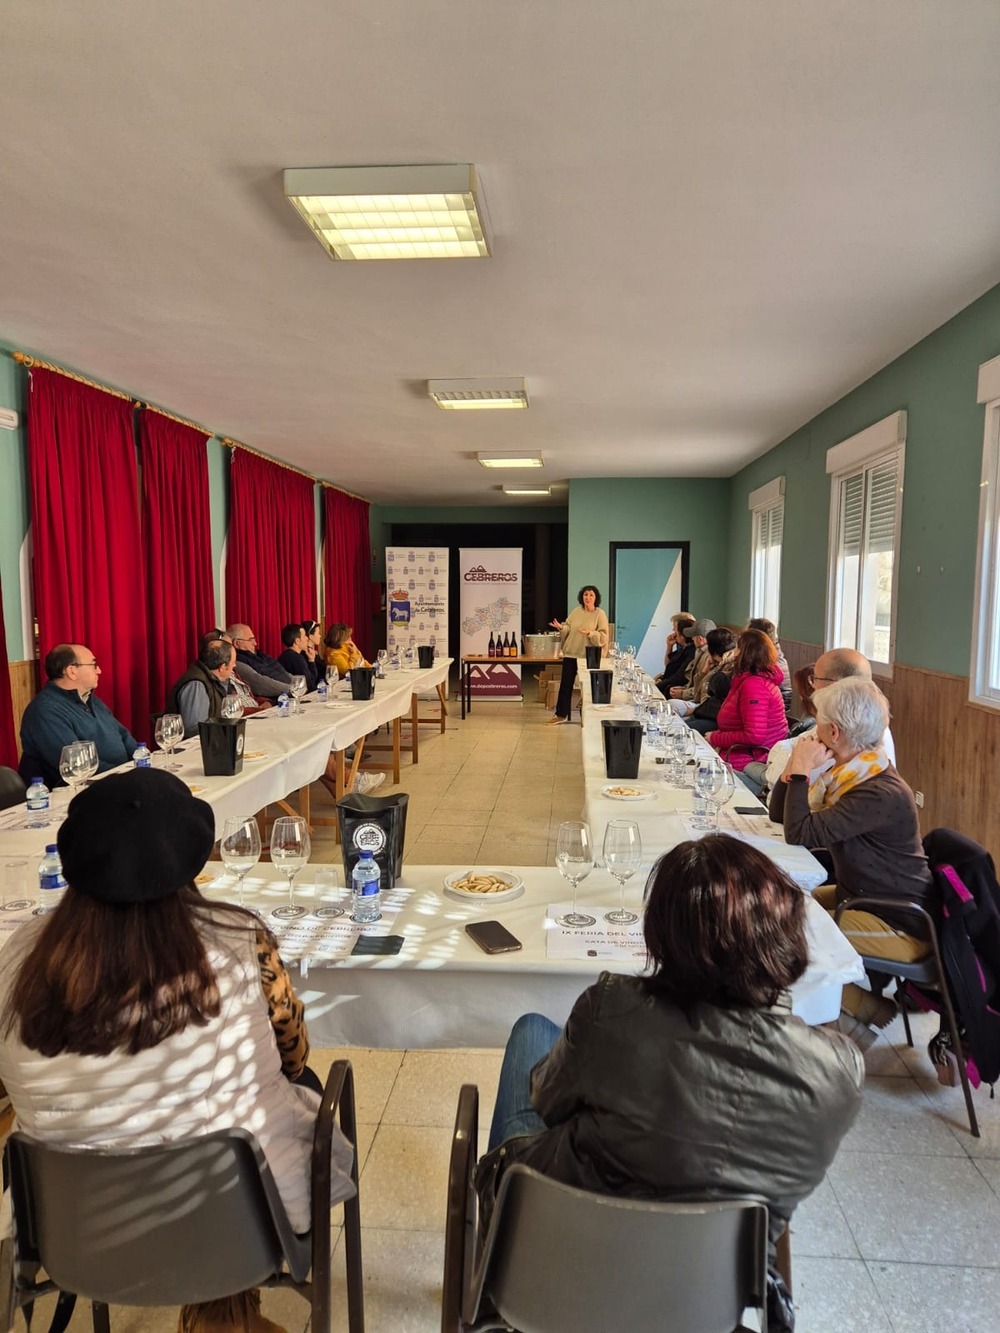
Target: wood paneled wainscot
[(23, 688)]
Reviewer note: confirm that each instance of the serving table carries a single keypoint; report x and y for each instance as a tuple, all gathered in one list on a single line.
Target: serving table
[(479, 659)]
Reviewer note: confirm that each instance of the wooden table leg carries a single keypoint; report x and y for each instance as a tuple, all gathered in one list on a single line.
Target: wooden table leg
[(444, 707), (415, 727), (396, 730)]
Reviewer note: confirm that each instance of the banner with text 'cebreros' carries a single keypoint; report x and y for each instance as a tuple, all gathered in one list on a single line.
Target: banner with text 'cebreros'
[(490, 580)]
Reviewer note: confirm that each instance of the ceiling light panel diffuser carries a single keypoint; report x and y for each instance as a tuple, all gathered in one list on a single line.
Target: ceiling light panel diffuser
[(480, 394), (527, 490), (426, 212), (510, 460)]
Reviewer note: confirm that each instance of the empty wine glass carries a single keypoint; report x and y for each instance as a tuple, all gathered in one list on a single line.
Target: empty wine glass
[(297, 688), (622, 856), (290, 847), (74, 764), (240, 847), (725, 790), (681, 748), (381, 657), (324, 889), (708, 778), (169, 732), (231, 708), (91, 760), (575, 860)]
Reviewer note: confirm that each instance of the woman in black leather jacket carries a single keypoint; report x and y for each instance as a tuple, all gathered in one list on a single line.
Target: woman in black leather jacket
[(695, 1078)]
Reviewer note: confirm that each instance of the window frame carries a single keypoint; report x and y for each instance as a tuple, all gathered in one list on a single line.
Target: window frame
[(857, 456), (985, 648), (761, 501)]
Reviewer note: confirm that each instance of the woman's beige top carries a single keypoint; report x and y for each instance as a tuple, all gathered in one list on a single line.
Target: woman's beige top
[(583, 629)]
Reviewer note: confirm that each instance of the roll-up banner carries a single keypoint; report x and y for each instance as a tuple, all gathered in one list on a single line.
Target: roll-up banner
[(491, 605), (416, 597)]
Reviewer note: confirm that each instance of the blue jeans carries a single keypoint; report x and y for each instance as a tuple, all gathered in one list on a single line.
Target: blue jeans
[(531, 1037)]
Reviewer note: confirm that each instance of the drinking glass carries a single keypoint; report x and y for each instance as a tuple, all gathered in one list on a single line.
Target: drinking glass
[(74, 764), (169, 734), (708, 778), (575, 860), (682, 748), (297, 688), (231, 708), (15, 887), (240, 847), (381, 657), (725, 790), (622, 856), (324, 890), (91, 760), (332, 678), (290, 847)]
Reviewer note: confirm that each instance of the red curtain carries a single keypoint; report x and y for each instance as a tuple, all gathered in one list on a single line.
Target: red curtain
[(87, 563), (8, 740), (177, 547), (271, 559), (347, 565)]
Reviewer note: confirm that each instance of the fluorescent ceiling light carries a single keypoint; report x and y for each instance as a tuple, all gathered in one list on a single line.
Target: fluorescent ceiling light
[(527, 490), (476, 395), (510, 460), (434, 212)]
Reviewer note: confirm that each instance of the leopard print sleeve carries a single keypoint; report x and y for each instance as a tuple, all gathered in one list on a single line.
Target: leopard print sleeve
[(287, 1013)]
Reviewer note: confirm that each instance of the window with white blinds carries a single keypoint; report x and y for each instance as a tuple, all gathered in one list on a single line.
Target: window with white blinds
[(865, 509), (984, 676), (765, 560)]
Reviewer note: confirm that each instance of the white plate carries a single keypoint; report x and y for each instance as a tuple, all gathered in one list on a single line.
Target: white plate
[(616, 792), (515, 881)]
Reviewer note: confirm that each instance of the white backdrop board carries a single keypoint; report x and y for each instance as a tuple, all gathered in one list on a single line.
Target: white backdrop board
[(416, 597), (490, 604)]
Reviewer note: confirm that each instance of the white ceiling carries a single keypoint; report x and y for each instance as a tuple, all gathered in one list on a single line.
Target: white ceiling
[(711, 217)]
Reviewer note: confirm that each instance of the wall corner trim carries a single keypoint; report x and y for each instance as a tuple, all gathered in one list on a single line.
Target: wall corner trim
[(876, 439), (988, 387)]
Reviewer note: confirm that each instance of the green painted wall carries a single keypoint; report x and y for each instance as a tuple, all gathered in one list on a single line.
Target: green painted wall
[(935, 381), (649, 509), (14, 506)]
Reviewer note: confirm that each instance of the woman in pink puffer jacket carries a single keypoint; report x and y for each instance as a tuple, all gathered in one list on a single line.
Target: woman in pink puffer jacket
[(752, 718)]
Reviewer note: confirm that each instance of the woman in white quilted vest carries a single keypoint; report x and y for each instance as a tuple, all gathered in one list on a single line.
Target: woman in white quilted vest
[(138, 1013)]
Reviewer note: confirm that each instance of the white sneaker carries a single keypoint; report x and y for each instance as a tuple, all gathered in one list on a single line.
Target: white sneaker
[(366, 783)]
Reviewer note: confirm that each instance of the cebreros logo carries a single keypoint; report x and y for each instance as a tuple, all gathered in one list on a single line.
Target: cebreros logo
[(479, 574)]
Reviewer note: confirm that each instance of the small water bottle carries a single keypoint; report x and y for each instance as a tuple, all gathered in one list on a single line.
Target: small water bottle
[(284, 707), (700, 815), (140, 756), (321, 690), (366, 889), (37, 801), (51, 884)]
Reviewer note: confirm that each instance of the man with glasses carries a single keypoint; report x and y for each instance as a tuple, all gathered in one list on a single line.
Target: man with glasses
[(67, 709), (840, 664), (264, 675)]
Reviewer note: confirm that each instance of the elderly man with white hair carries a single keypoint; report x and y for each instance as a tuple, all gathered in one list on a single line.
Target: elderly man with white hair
[(840, 791)]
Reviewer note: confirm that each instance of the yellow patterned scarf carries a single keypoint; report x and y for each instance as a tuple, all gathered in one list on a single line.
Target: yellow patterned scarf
[(830, 786)]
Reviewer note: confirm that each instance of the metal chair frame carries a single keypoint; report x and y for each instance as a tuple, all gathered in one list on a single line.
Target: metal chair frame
[(109, 1226), (926, 971)]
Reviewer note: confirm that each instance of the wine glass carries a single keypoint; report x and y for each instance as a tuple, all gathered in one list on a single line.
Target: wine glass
[(290, 849), (240, 847), (622, 856), (381, 657), (231, 708), (682, 748), (74, 763), (91, 760), (722, 793), (297, 688), (169, 732), (324, 886), (708, 778), (575, 860)]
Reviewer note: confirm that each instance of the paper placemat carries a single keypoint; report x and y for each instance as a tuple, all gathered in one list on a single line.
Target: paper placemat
[(604, 939)]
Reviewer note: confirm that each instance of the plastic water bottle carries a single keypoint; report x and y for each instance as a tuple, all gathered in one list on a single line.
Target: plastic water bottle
[(321, 690), (37, 801), (51, 884), (284, 708), (140, 756), (366, 889)]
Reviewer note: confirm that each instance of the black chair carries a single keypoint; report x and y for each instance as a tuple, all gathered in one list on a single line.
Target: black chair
[(12, 788), (927, 972), (176, 1224), (557, 1258)]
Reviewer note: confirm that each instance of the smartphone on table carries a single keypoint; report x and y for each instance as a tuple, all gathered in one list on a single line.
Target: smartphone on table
[(492, 937)]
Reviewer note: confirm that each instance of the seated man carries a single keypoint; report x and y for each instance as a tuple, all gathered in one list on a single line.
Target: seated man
[(199, 693), (678, 655), (843, 664), (298, 655), (684, 698), (265, 676), (67, 709)]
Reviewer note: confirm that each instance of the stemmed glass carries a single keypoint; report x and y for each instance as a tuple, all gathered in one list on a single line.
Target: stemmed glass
[(575, 860), (297, 688), (290, 847), (381, 657), (74, 764), (240, 847), (231, 708), (681, 748), (622, 856), (91, 760), (169, 732), (723, 792), (708, 779)]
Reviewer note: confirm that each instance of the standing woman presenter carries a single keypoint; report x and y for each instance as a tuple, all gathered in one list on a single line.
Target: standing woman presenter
[(586, 626)]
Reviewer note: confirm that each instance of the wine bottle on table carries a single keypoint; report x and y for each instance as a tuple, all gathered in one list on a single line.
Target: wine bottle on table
[(491, 651), (513, 645)]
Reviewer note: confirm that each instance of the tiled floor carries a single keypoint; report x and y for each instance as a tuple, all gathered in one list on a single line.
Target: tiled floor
[(902, 1237)]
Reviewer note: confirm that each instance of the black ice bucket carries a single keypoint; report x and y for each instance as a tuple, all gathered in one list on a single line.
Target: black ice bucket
[(362, 682), (593, 658), (425, 656), (222, 747), (600, 686), (375, 824), (622, 743)]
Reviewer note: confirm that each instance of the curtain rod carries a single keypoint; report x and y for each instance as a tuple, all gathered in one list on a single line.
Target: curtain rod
[(329, 486), (181, 421), (235, 444), (23, 359)]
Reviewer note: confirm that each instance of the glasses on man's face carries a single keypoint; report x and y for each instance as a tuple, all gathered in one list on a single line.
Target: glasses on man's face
[(825, 680), (252, 639), (85, 664)]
